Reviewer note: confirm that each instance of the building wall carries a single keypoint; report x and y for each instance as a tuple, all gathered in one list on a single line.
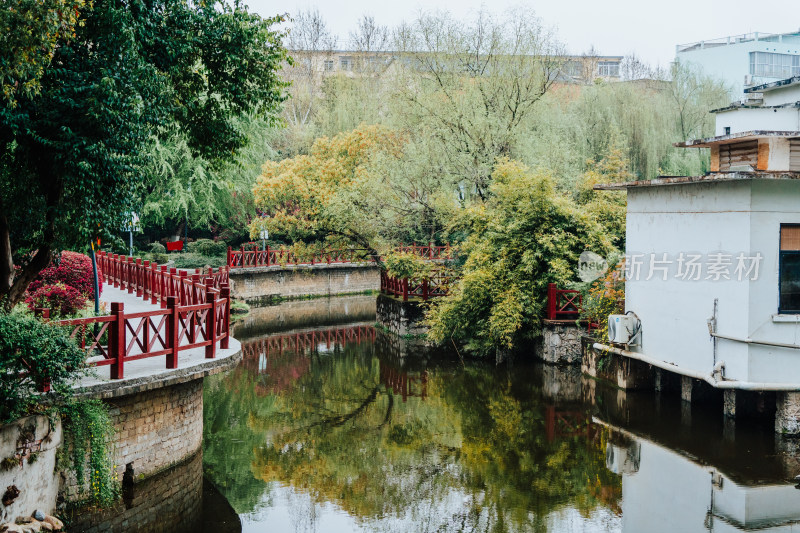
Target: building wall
[(704, 218), (773, 203), (752, 119), (695, 218), (264, 284), (783, 95), (731, 62)]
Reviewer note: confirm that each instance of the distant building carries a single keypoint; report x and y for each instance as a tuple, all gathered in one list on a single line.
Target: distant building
[(713, 261), (576, 69), (745, 60)]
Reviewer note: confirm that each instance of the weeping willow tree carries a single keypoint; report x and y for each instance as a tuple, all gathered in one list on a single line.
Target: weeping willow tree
[(185, 186)]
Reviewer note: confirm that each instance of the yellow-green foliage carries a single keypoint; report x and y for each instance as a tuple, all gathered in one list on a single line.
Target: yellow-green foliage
[(524, 237), (300, 194), (605, 297), (406, 265)]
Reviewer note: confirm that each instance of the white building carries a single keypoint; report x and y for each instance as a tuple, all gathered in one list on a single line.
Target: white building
[(724, 246), (744, 60)]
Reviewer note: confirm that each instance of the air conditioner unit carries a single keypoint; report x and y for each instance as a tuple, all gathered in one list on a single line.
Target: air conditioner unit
[(622, 328), (748, 80)]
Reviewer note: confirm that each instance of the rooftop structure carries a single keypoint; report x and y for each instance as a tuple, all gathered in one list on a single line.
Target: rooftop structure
[(745, 60)]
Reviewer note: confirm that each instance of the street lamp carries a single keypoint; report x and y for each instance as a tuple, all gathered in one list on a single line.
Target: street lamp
[(264, 236)]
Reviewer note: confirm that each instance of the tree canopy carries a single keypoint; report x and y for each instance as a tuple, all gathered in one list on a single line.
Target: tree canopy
[(75, 153)]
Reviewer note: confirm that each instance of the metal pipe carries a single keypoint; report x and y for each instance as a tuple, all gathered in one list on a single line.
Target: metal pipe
[(708, 378), (752, 341)]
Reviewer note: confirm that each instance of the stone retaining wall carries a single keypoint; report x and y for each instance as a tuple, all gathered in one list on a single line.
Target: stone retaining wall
[(265, 284), (561, 342), (153, 430), (399, 317), (169, 502)]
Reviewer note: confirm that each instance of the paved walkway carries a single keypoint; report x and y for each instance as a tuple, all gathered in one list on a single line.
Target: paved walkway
[(152, 372)]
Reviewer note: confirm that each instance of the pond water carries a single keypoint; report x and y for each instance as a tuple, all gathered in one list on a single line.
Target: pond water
[(330, 425), (335, 426)]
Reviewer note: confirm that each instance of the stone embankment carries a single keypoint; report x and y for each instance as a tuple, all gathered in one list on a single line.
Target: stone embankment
[(156, 413)]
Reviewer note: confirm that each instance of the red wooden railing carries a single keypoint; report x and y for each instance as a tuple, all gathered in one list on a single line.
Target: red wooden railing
[(249, 256), (563, 304), (195, 313), (437, 284)]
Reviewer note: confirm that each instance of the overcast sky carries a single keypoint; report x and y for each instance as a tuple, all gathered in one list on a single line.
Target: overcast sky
[(615, 27)]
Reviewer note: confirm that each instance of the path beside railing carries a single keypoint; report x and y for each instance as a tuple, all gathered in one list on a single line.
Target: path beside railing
[(165, 317)]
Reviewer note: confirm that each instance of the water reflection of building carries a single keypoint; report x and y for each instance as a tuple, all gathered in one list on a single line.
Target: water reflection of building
[(666, 490)]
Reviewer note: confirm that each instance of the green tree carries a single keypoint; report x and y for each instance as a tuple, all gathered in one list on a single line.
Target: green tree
[(523, 238), (32, 29), (74, 155)]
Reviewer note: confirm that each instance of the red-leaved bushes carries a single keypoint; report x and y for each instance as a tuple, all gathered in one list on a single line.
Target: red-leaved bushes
[(65, 286), (71, 269), (61, 299)]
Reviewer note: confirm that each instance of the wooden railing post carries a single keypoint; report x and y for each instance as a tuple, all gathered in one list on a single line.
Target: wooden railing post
[(424, 289), (552, 298), (173, 325), (225, 293), (230, 255), (131, 269), (139, 281), (405, 289), (116, 340), (211, 323), (242, 252), (267, 262)]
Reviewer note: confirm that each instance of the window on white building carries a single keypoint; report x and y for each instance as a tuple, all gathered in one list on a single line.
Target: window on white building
[(789, 269), (608, 68), (770, 65), (328, 64), (346, 63)]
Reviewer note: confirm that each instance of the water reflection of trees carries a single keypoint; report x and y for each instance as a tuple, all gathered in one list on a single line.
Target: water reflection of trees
[(458, 448)]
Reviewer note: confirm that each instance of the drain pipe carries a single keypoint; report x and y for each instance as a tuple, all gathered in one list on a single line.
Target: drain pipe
[(715, 378)]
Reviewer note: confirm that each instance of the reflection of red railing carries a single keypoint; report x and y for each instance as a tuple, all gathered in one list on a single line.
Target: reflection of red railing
[(563, 304), (249, 256), (404, 384), (195, 313), (304, 340), (559, 424), (436, 284)]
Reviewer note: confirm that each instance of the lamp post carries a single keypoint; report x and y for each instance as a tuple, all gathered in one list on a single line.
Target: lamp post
[(264, 236)]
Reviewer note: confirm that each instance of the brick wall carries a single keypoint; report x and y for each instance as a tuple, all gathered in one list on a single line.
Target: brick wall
[(265, 284), (154, 429), (169, 502)]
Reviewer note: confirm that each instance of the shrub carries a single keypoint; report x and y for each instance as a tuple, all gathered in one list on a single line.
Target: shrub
[(32, 351), (157, 248), (605, 297), (406, 265), (70, 268), (207, 247), (159, 258), (191, 260), (62, 300)]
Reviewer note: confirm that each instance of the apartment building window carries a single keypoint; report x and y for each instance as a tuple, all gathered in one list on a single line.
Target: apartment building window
[(789, 269), (608, 68), (346, 63), (328, 64), (770, 65), (574, 69)]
